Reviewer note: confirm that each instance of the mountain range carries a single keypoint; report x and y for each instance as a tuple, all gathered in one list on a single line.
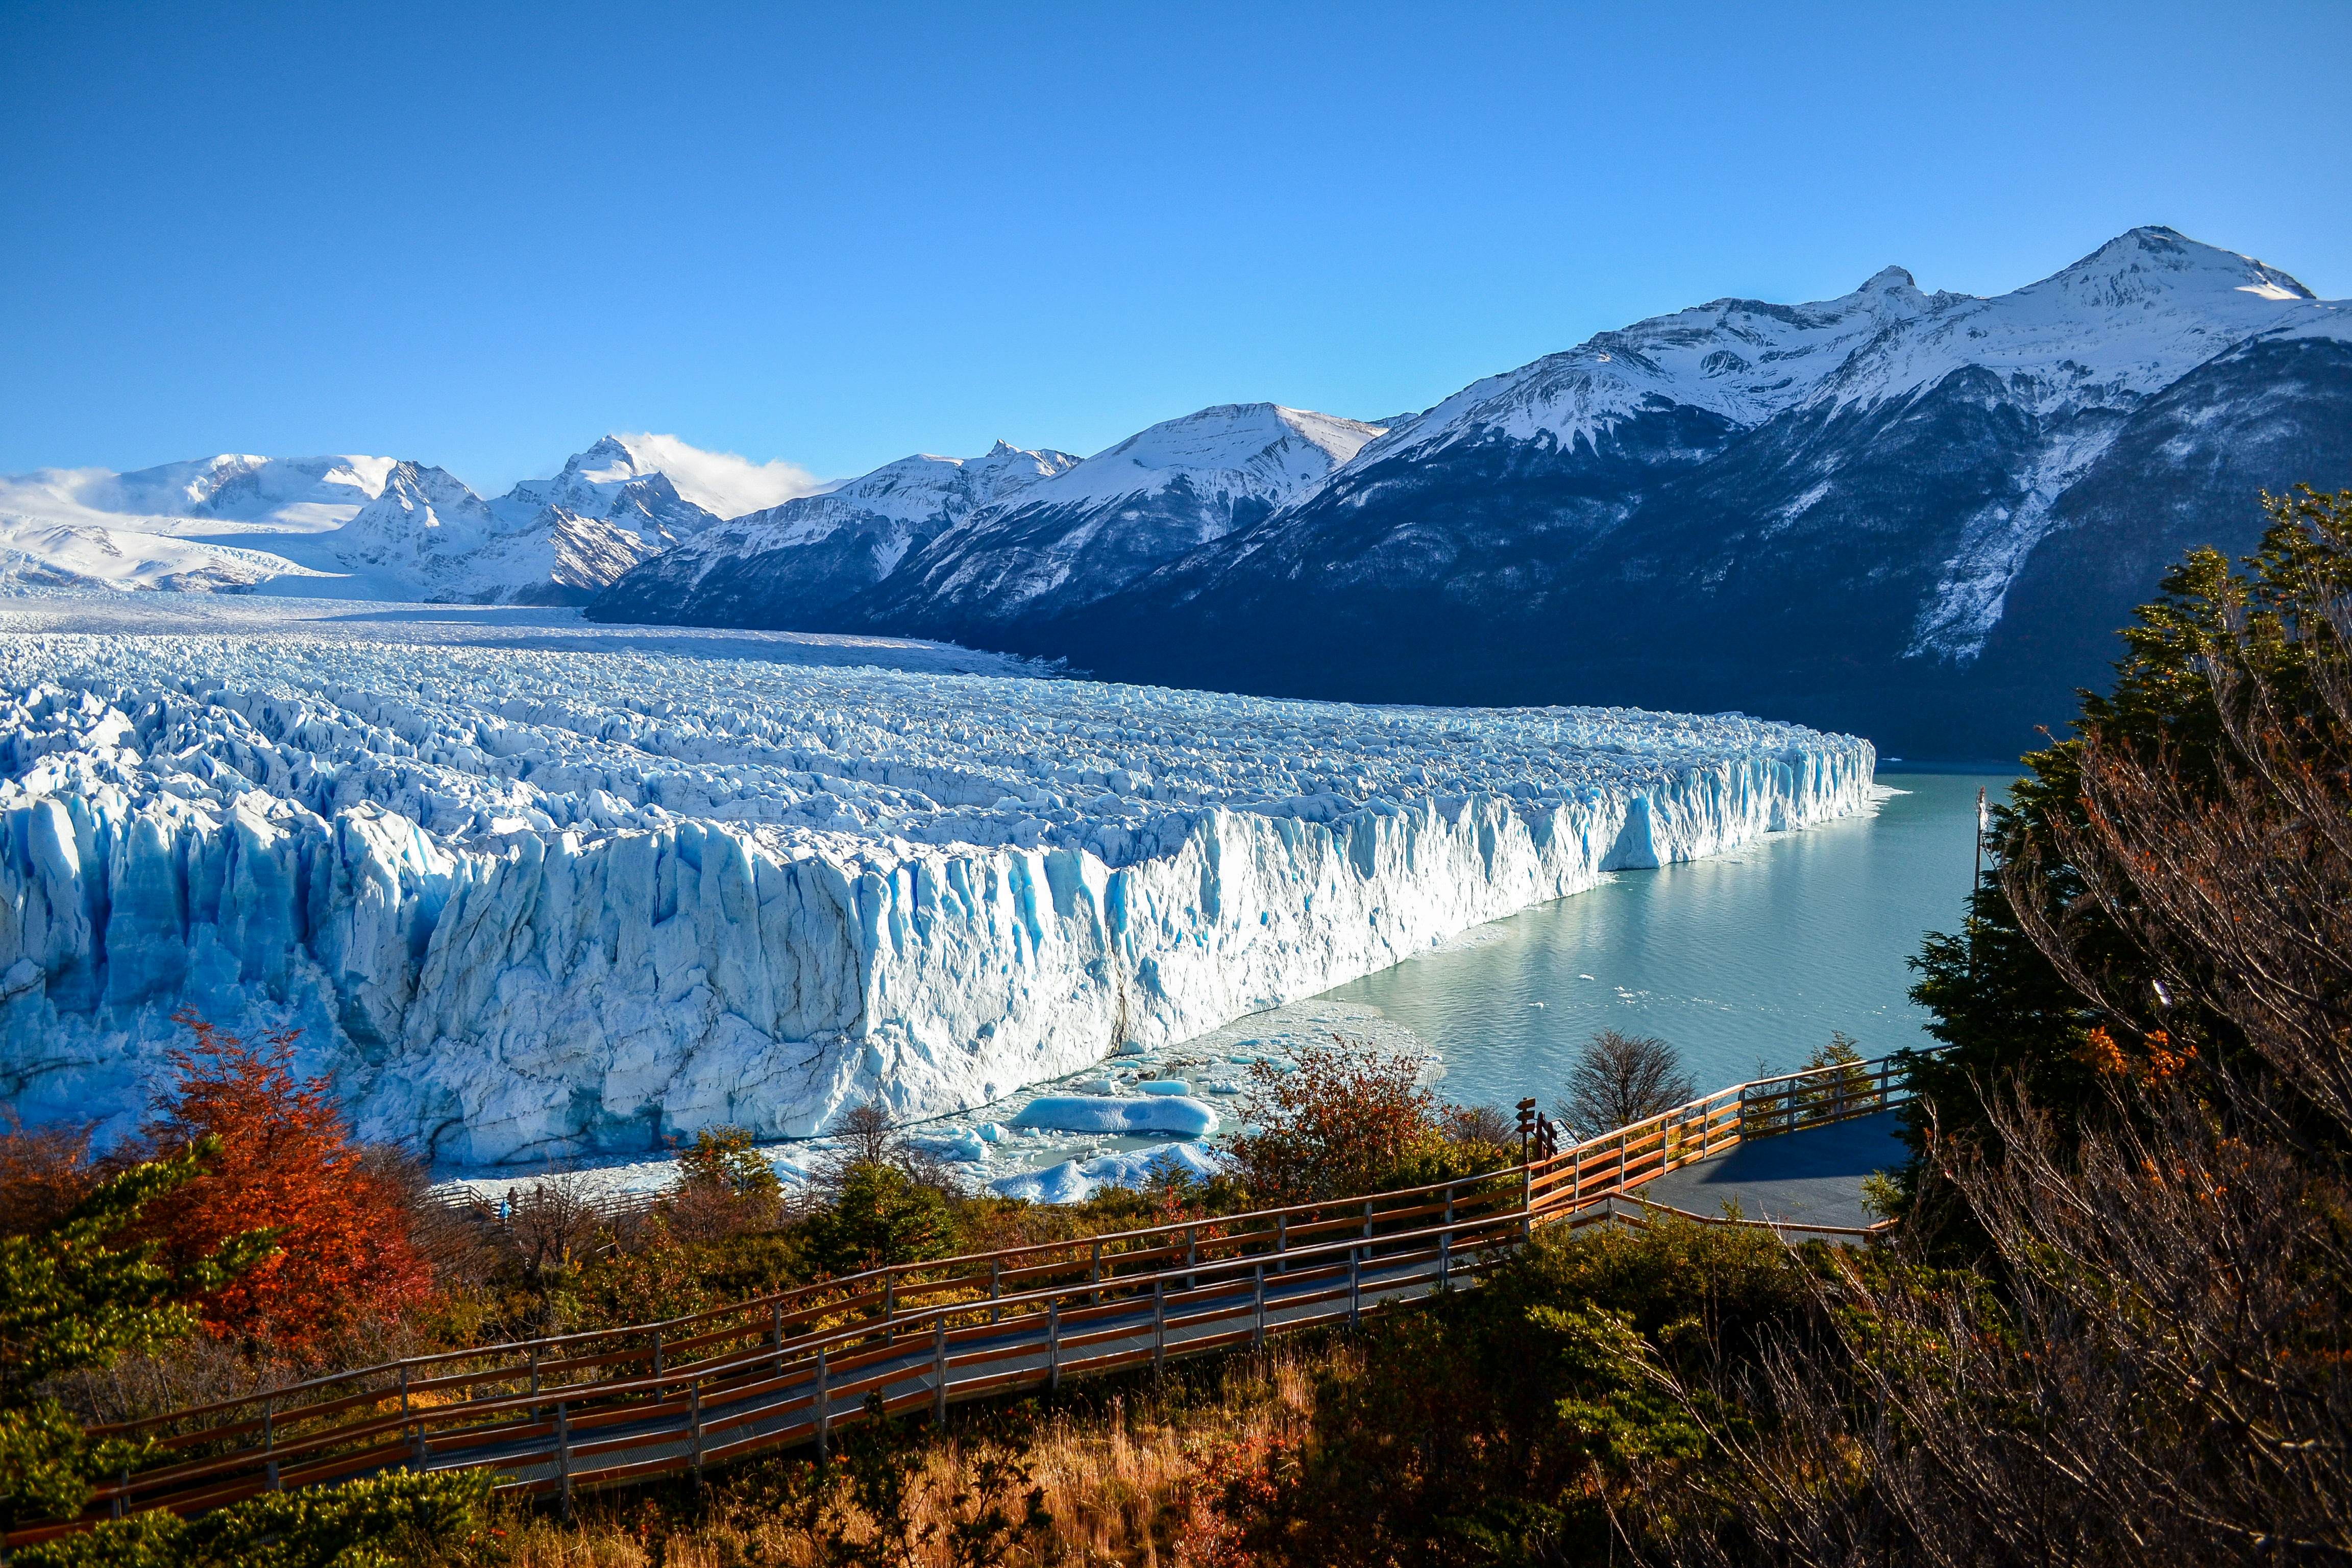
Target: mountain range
[(1915, 516), (362, 527)]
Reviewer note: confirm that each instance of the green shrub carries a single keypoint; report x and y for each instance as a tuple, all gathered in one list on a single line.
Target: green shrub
[(376, 1523), (881, 1215)]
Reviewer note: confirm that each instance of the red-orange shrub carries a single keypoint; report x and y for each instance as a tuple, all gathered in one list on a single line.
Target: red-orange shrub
[(287, 1163)]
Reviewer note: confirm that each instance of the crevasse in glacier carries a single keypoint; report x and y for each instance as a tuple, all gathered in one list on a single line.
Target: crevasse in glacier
[(525, 899)]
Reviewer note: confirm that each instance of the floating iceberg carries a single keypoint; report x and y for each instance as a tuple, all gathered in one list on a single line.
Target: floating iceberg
[(1074, 1182), (544, 894), (1105, 1113), (963, 1147)]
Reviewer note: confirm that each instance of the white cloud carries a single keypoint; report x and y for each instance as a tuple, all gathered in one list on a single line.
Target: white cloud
[(721, 482)]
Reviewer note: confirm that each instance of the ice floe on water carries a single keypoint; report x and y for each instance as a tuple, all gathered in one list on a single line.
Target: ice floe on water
[(1074, 1180), (1109, 1113), (532, 888)]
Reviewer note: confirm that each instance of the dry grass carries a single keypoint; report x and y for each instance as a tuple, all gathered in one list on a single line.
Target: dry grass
[(1123, 1481)]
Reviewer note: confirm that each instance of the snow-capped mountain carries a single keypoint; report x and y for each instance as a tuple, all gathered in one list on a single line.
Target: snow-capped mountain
[(1920, 516), (345, 526), (216, 523), (794, 565), (1067, 541), (429, 537), (610, 482), (960, 550)]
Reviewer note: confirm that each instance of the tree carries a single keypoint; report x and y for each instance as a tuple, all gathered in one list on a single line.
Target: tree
[(1848, 1085), (879, 1216), (2145, 1359), (286, 1164), (1346, 1120), (725, 1186), (1619, 1078), (71, 1297), (2001, 1006), (722, 1159)]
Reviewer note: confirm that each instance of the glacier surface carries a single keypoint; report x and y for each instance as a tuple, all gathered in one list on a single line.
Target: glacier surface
[(553, 890)]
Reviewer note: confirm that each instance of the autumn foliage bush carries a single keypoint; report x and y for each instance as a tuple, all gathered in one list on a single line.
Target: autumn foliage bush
[(1347, 1119), (287, 1163)]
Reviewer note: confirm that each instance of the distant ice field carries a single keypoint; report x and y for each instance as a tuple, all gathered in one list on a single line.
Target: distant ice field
[(530, 886)]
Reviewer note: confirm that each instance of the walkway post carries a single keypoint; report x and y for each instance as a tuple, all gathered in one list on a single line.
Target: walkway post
[(1355, 1291), (1282, 1242), (564, 1455), (995, 1287), (1094, 1274), (1257, 1302), (404, 1401), (776, 1327), (268, 1447), (534, 1384), (824, 1412), (694, 1424), (1526, 1108), (1159, 1324), (657, 1364), (1445, 1245), (1054, 1344), (940, 1372), (889, 1309)]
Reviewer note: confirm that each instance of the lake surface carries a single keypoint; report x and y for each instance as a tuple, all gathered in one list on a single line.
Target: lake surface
[(1749, 957)]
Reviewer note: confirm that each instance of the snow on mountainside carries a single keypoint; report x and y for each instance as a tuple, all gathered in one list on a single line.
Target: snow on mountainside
[(355, 526), (2131, 317), (1830, 511), (609, 483), (1071, 539), (215, 523), (795, 564), (525, 897)]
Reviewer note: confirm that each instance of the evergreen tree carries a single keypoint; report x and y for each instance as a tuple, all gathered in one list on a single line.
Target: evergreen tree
[(72, 1295), (2000, 1006)]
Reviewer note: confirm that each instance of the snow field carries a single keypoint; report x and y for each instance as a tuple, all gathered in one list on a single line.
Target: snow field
[(529, 901)]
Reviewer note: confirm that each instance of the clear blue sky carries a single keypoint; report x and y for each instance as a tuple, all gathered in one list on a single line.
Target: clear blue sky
[(482, 235)]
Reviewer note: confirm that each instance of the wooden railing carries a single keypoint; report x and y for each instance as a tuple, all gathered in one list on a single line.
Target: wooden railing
[(553, 1415)]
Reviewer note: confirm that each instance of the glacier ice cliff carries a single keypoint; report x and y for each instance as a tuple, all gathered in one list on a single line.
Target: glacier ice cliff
[(525, 900)]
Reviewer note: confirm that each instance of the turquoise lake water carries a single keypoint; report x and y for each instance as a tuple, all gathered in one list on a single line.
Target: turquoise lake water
[(1746, 959)]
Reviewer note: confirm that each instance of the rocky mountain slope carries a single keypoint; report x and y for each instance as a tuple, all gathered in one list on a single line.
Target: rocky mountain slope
[(967, 549), (795, 565), (1916, 515), (1068, 541)]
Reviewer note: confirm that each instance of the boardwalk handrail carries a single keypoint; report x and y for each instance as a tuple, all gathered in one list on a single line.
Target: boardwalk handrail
[(775, 1369)]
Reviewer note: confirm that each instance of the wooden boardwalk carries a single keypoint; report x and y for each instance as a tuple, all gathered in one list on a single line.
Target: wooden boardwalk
[(553, 1415)]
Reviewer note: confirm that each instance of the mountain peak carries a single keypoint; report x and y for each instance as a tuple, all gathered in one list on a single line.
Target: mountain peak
[(2141, 263), (610, 459), (1887, 280)]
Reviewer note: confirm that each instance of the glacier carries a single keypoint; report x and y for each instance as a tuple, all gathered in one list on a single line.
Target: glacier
[(532, 888)]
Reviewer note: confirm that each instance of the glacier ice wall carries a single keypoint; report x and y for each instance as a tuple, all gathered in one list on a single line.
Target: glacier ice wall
[(526, 900)]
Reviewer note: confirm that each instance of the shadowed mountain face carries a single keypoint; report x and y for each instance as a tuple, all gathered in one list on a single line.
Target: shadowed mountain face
[(1918, 517), (1813, 568)]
